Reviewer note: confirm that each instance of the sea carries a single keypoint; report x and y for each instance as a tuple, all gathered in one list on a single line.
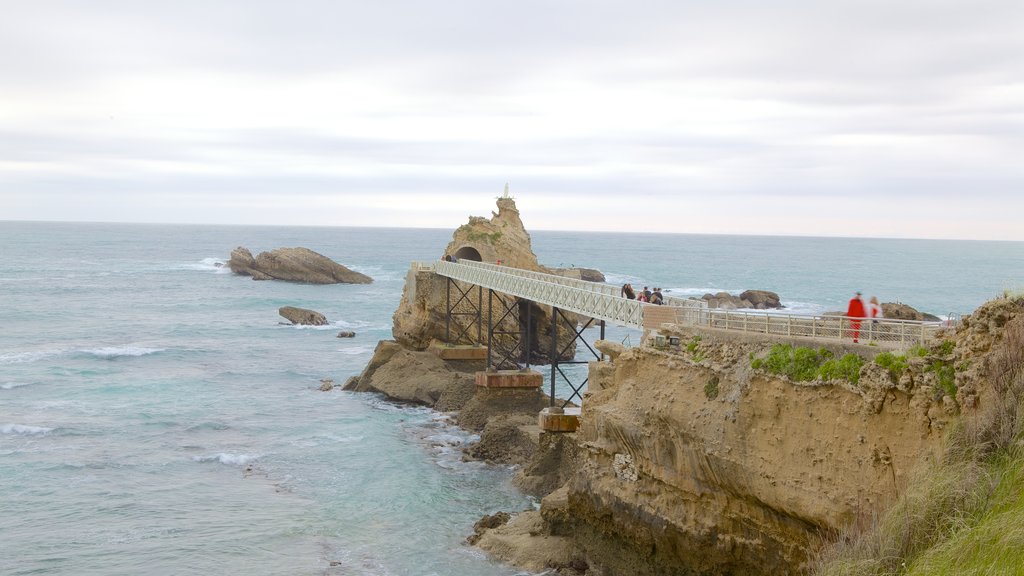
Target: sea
[(157, 416)]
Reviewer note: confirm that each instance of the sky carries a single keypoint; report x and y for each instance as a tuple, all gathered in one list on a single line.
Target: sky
[(820, 118)]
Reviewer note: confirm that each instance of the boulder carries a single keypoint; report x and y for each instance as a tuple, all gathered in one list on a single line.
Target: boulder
[(302, 316), (293, 265), (898, 311), (588, 274), (759, 299), (762, 299), (346, 334)]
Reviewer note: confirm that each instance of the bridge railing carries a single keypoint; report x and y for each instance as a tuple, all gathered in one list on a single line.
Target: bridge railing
[(589, 300), (881, 331), (586, 285)]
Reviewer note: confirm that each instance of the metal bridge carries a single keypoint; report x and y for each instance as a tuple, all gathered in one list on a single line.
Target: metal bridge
[(603, 302)]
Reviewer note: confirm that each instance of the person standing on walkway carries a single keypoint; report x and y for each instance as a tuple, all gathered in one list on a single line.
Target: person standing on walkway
[(627, 292), (656, 297), (855, 311), (874, 310)]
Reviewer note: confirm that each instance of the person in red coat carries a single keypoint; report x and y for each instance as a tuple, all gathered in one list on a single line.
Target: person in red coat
[(855, 311)]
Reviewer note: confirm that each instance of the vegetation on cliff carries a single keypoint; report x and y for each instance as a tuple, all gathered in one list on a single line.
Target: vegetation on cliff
[(965, 513)]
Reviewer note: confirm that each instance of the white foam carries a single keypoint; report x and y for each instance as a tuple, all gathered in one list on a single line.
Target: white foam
[(697, 291), (24, 430), (228, 459), (12, 385), (121, 351), (215, 265), (355, 350), (26, 357), (620, 279)]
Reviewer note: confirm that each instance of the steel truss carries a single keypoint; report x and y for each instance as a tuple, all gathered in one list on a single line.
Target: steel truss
[(472, 310), (556, 355)]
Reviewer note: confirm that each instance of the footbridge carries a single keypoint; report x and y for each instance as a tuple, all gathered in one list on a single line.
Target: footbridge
[(602, 303)]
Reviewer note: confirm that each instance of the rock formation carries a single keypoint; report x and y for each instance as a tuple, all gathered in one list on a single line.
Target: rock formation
[(302, 316), (587, 274), (421, 315), (758, 299), (899, 311), (689, 461), (502, 238), (294, 265)]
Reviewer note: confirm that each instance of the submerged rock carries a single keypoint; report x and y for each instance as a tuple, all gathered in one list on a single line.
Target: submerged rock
[(293, 265), (302, 316)]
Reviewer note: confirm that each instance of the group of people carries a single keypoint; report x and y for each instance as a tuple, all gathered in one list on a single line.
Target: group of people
[(645, 295), (858, 309)]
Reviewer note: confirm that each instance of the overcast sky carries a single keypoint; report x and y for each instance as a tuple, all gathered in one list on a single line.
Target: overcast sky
[(837, 118)]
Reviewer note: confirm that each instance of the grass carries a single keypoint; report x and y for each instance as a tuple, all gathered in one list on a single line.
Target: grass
[(992, 541), (965, 513)]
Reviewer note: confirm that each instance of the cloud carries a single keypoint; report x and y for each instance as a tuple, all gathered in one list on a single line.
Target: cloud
[(335, 112)]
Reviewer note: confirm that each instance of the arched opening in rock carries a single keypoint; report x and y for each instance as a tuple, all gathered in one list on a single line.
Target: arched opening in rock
[(468, 253)]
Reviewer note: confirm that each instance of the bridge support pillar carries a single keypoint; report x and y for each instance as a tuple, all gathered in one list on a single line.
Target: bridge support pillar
[(510, 379), (458, 351), (555, 419)]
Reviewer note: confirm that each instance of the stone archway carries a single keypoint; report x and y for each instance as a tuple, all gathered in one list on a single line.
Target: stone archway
[(468, 253)]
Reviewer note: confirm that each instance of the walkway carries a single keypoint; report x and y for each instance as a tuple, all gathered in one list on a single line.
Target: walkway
[(604, 302)]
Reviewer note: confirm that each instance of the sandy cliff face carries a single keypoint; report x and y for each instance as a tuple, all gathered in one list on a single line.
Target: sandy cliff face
[(688, 461)]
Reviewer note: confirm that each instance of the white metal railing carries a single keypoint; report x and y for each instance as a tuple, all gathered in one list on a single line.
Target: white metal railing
[(592, 302), (881, 331)]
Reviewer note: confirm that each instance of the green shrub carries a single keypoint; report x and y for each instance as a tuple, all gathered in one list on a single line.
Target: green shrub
[(946, 347), (945, 384), (919, 351), (711, 388), (804, 364), (847, 367), (896, 364)]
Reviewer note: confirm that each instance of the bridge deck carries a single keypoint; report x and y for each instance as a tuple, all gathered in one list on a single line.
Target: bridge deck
[(603, 302)]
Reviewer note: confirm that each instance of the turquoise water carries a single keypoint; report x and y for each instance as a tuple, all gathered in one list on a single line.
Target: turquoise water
[(156, 417)]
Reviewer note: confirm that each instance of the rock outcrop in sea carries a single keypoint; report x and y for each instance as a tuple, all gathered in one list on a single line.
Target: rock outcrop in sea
[(294, 265), (302, 316), (757, 299)]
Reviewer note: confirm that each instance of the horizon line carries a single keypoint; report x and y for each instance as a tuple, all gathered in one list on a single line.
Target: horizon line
[(584, 231)]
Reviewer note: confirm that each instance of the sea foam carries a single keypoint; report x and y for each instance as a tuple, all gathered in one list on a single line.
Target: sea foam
[(228, 459), (111, 352), (215, 265), (23, 430), (12, 385)]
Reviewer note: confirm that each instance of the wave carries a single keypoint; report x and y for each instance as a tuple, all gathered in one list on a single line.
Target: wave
[(111, 352), (215, 265), (355, 350), (12, 385), (23, 430), (228, 459), (26, 357)]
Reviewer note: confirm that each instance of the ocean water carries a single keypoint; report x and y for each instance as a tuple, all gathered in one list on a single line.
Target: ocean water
[(156, 416)]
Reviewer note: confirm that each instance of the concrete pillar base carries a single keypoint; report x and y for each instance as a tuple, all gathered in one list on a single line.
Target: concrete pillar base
[(510, 379), (557, 420), (459, 351)]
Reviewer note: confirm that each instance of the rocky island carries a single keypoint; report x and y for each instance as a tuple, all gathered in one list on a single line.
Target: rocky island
[(293, 265)]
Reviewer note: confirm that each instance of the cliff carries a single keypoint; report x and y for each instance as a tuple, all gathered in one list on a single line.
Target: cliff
[(690, 461)]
